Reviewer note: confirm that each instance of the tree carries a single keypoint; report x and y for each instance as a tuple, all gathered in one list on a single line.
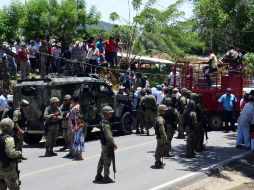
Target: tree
[(114, 16)]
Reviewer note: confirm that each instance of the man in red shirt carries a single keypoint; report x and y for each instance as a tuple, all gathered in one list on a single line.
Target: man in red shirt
[(109, 46), (24, 62)]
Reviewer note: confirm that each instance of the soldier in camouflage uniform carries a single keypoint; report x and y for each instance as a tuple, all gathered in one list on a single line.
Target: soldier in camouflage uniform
[(141, 113), (172, 119), (65, 108), (190, 123), (8, 112), (8, 156), (107, 145), (149, 106), (161, 136), (53, 117), (181, 105), (20, 123)]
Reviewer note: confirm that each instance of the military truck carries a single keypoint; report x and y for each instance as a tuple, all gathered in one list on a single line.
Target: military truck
[(93, 91)]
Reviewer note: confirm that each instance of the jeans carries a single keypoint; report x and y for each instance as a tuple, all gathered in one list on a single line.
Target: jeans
[(243, 135), (207, 72), (12, 66)]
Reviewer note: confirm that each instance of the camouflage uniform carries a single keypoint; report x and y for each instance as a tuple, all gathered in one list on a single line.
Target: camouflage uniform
[(141, 115), (20, 118), (190, 123), (8, 174), (107, 148), (53, 118), (149, 106), (65, 108), (161, 139)]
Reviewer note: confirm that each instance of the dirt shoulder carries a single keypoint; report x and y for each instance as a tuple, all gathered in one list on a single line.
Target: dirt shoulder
[(238, 175)]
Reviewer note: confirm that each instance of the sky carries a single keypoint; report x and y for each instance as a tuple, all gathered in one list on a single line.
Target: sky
[(105, 7)]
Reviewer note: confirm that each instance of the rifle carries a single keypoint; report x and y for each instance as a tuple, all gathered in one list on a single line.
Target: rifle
[(114, 162), (17, 171)]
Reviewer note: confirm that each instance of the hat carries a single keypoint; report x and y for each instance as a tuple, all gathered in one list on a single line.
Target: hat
[(24, 103), (107, 109), (67, 97), (32, 41), (159, 87), (93, 45), (138, 89), (162, 107), (23, 44), (229, 89), (175, 90), (6, 124), (145, 77), (54, 100), (77, 42)]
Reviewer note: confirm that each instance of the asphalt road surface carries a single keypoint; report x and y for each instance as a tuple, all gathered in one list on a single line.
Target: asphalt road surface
[(134, 158)]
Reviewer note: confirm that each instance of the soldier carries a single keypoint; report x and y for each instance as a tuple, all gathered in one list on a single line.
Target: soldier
[(65, 108), (9, 177), (108, 146), (190, 123), (8, 112), (141, 113), (160, 136), (53, 117), (149, 107), (20, 123), (181, 104), (172, 119)]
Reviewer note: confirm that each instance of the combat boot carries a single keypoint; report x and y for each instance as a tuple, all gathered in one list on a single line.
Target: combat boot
[(47, 154), (158, 165), (52, 152), (108, 180), (98, 178)]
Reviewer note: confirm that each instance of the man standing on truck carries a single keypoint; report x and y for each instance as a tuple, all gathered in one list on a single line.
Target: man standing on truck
[(213, 62), (53, 117), (20, 123), (65, 108), (228, 102)]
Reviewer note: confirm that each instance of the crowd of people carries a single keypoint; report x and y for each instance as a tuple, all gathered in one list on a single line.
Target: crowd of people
[(56, 55)]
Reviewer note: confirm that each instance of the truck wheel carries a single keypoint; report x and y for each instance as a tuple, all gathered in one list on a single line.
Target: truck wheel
[(127, 124), (215, 122), (32, 138)]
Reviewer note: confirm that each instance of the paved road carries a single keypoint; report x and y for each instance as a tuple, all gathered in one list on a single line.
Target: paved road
[(134, 157)]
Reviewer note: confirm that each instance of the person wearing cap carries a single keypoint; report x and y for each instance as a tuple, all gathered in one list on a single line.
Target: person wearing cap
[(56, 53), (76, 52), (53, 117), (190, 124), (20, 123), (141, 113), (107, 145), (65, 108), (25, 66), (244, 121), (8, 112), (228, 102), (161, 136), (92, 56), (149, 106), (8, 156), (121, 91), (32, 53)]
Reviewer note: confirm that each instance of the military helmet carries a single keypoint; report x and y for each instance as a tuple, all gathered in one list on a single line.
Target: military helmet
[(148, 91), (6, 124), (67, 97), (162, 107), (168, 101), (107, 109), (24, 103), (54, 100), (175, 90), (142, 92), (183, 90)]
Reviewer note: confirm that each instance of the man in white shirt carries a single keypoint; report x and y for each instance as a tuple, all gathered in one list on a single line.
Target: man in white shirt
[(92, 55), (3, 101), (32, 50)]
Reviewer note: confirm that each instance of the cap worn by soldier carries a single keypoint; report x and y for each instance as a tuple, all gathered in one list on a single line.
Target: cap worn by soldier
[(175, 90), (107, 109), (67, 97), (162, 107), (6, 124), (24, 103), (54, 100)]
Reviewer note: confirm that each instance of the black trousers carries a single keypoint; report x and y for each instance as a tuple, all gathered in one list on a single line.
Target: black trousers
[(228, 115)]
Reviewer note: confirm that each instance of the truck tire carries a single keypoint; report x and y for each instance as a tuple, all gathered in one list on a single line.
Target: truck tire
[(215, 122), (127, 124), (32, 138)]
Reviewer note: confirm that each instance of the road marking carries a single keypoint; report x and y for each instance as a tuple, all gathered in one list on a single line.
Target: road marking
[(167, 184), (86, 158)]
